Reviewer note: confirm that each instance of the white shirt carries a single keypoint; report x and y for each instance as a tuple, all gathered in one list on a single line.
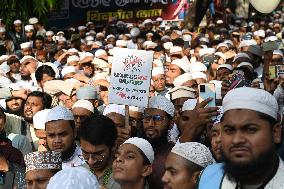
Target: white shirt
[(76, 160)]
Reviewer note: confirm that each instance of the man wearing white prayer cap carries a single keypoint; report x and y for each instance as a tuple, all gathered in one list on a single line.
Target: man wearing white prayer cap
[(175, 69), (157, 120), (222, 47), (40, 167), (67, 72), (175, 52), (277, 58), (89, 93), (223, 72), (250, 134), (29, 33), (187, 160), (82, 109), (159, 81), (185, 80), (26, 48), (197, 67), (121, 43), (73, 177), (73, 61), (61, 120), (133, 173), (199, 77)]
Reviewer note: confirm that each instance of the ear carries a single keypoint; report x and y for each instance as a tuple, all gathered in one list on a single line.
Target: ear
[(195, 177), (147, 170), (276, 133)]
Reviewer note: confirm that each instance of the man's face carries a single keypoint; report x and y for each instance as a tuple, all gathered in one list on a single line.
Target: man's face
[(159, 82), (178, 103), (2, 120), (29, 34), (45, 78), (60, 136), (177, 174), (27, 51), (246, 137), (18, 28), (15, 67), (184, 119), (15, 104), (24, 71), (223, 74), (97, 156), (61, 45), (155, 123), (2, 35), (38, 178), (216, 141), (39, 44), (172, 73), (80, 114), (32, 106), (111, 41), (276, 60)]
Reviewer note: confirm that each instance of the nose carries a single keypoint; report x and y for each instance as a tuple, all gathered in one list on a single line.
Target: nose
[(90, 160), (57, 140), (165, 178), (238, 138)]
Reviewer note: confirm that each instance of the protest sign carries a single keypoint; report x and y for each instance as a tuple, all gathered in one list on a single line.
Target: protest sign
[(130, 77)]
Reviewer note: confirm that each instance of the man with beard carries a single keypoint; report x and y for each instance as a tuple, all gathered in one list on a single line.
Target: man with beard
[(176, 68), (15, 105), (14, 73), (250, 135), (35, 102), (60, 136), (97, 138), (157, 120), (159, 81)]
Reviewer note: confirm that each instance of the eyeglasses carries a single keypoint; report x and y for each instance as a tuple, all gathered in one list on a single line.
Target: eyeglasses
[(156, 118), (97, 157)]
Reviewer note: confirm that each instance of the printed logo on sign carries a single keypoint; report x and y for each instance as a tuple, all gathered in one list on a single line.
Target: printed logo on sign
[(132, 63)]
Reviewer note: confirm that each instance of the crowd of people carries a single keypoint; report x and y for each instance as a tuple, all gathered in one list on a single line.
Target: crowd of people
[(58, 129)]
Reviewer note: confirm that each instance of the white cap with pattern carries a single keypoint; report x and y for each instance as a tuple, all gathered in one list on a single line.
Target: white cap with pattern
[(114, 108), (59, 113), (162, 103), (190, 104), (84, 104)]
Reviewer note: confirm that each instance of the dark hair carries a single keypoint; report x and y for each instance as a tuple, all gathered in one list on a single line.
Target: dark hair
[(46, 98), (99, 129), (145, 159), (193, 167), (159, 48), (12, 60), (39, 37), (178, 42), (267, 118), (45, 69)]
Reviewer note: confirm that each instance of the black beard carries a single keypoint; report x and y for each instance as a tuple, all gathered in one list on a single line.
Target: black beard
[(25, 78), (28, 119), (242, 172), (156, 142), (170, 85), (18, 112)]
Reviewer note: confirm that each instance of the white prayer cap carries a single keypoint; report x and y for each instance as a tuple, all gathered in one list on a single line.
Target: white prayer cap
[(73, 177), (59, 113), (100, 76), (241, 55), (43, 160), (222, 55), (159, 19), (27, 57), (86, 54), (229, 42), (158, 63), (190, 104), (110, 36), (90, 38), (197, 67), (178, 32), (168, 45), (29, 28), (100, 63), (67, 70), (228, 66), (129, 25), (182, 64), (49, 33), (87, 93), (194, 152), (147, 21), (61, 38), (26, 45), (114, 108), (149, 34), (204, 39), (121, 43), (165, 37), (33, 20), (149, 44), (144, 146), (2, 29), (278, 52), (39, 119), (100, 52), (73, 50), (136, 109), (205, 51), (17, 22), (162, 103), (73, 58), (181, 79), (89, 23), (4, 69), (247, 43), (254, 99), (84, 104), (90, 43), (187, 37), (219, 22), (245, 64), (158, 71), (80, 28), (180, 92), (100, 34), (222, 45), (270, 38), (260, 33), (199, 75), (175, 49)]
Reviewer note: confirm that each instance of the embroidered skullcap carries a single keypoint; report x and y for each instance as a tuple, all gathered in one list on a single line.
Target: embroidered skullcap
[(260, 33), (194, 152), (49, 33), (168, 45), (199, 75), (136, 109), (222, 45), (59, 113), (219, 116), (143, 145), (254, 99), (67, 70), (241, 55), (39, 119), (278, 52), (87, 93), (197, 67), (73, 177), (84, 104), (175, 49), (43, 160), (182, 64), (114, 108), (222, 55), (73, 58), (189, 104), (181, 79), (180, 92), (162, 103), (26, 45), (33, 20), (228, 66), (158, 71), (120, 43), (2, 29), (29, 28), (17, 22)]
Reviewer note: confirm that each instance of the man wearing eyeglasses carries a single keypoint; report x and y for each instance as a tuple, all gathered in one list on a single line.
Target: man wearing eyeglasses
[(97, 138), (157, 120)]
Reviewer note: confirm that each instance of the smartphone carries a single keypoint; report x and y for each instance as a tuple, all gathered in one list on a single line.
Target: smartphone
[(2, 178), (207, 90), (279, 71), (272, 72), (272, 45), (186, 44)]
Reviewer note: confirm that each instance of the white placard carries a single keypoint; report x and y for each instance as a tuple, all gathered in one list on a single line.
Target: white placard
[(130, 77)]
